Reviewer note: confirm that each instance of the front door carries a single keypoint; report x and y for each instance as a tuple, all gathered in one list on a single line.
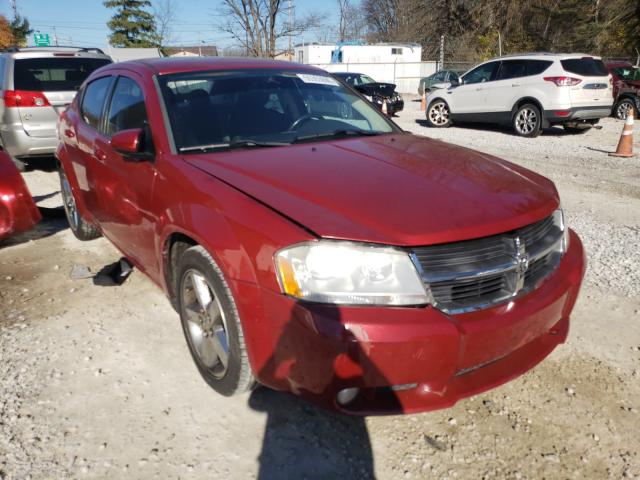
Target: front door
[(470, 96), (126, 193)]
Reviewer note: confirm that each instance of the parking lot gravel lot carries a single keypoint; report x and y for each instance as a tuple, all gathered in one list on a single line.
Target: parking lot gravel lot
[(97, 382)]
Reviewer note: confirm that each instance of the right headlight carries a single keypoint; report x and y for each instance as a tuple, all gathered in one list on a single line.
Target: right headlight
[(349, 273)]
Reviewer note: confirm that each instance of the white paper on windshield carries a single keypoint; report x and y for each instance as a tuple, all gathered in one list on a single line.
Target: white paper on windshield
[(319, 79)]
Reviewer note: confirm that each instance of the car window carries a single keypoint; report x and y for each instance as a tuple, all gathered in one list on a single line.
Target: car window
[(512, 69), (53, 74), (93, 101), (536, 67), (2, 64), (483, 73), (627, 73), (586, 66), (440, 76), (259, 106), (127, 109)]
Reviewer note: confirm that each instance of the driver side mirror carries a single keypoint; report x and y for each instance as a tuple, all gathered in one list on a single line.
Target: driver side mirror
[(455, 82), (132, 144)]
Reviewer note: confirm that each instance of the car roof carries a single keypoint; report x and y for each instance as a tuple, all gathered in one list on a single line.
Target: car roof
[(545, 55), (169, 65), (68, 52), (618, 63)]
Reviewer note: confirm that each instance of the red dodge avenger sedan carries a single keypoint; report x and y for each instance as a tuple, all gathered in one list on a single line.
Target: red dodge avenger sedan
[(311, 245)]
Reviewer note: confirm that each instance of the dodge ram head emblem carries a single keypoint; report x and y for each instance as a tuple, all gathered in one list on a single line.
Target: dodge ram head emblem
[(522, 263)]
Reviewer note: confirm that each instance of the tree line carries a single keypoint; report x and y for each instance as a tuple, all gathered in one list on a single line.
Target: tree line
[(475, 30), (472, 29)]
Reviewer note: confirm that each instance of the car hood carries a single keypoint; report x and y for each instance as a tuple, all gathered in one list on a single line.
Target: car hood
[(377, 89), (394, 189)]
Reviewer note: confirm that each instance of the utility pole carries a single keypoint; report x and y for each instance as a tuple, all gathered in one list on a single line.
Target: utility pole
[(499, 44), (441, 66), (14, 8), (55, 36), (291, 23)]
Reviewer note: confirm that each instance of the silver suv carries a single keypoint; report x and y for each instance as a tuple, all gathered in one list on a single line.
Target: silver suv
[(37, 84)]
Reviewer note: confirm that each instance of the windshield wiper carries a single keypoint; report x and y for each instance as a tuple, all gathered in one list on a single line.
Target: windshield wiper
[(245, 143), (338, 133)]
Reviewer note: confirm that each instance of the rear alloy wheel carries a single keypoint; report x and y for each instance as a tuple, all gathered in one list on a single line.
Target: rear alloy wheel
[(623, 108), (527, 122), (211, 324), (82, 229), (438, 114)]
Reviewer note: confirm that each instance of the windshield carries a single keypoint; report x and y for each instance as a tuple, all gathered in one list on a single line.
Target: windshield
[(257, 108), (627, 73), (54, 74)]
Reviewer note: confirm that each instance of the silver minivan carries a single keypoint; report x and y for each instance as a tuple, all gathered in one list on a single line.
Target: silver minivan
[(36, 84)]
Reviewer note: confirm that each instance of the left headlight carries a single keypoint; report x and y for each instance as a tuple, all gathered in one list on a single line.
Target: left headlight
[(349, 273)]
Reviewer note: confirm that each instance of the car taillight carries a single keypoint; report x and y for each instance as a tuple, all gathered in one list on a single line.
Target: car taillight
[(563, 81), (23, 98)]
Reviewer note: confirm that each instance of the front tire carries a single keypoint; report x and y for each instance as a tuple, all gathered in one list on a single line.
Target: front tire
[(211, 324), (623, 107), (527, 121), (82, 229), (438, 114)]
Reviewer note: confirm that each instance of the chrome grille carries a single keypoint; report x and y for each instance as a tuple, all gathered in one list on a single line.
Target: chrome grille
[(479, 273)]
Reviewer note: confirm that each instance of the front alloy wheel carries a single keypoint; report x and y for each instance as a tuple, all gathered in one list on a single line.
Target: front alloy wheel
[(211, 323), (623, 108), (438, 114), (206, 323), (527, 122)]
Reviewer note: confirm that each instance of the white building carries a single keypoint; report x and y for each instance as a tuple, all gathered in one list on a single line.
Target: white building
[(319, 53), (123, 54), (398, 63)]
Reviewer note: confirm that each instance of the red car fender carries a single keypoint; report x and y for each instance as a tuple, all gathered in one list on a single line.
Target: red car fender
[(18, 211)]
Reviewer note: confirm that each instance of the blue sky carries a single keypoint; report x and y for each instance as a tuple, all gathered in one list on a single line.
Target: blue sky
[(83, 22)]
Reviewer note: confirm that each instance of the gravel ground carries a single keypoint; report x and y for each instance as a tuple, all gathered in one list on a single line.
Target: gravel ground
[(97, 382)]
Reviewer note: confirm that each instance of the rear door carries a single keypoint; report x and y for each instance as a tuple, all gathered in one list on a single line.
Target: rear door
[(89, 128), (595, 89), (46, 86)]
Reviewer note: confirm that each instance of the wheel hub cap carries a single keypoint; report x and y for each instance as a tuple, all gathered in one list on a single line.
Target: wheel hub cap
[(206, 323)]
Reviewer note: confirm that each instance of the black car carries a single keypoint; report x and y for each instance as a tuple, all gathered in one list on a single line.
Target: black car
[(376, 92)]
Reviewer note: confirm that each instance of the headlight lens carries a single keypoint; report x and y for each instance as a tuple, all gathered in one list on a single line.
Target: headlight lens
[(369, 97), (349, 273)]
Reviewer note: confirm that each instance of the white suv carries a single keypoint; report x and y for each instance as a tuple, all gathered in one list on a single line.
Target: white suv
[(529, 92)]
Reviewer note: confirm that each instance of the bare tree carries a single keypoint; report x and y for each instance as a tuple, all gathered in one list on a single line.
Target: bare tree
[(165, 14), (344, 7), (352, 23), (257, 25)]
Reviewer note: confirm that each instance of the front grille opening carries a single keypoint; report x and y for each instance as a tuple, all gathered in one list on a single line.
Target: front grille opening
[(479, 273)]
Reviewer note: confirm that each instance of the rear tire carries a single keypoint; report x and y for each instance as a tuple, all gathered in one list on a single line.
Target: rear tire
[(211, 323), (82, 229), (438, 114), (527, 121)]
